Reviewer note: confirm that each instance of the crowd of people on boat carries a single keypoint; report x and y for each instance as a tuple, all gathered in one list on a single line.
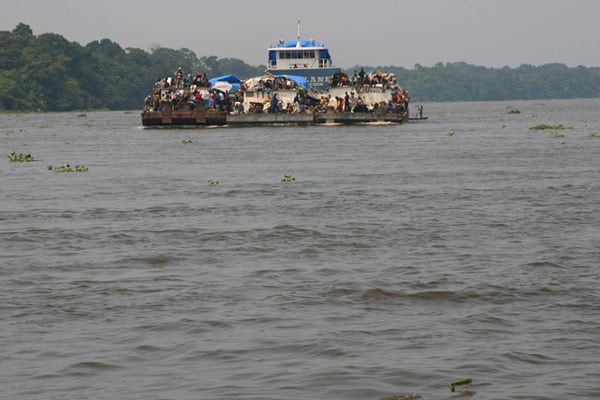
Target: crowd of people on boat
[(183, 93), (362, 82), (182, 100), (188, 93), (356, 103), (303, 103), (264, 85)]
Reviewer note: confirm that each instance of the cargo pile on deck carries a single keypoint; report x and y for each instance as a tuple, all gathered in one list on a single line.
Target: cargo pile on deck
[(274, 99)]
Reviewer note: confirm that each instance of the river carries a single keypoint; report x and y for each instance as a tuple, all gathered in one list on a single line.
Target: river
[(400, 259)]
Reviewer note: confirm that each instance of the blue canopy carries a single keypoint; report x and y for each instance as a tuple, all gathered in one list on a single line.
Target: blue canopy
[(303, 43), (225, 78), (232, 80)]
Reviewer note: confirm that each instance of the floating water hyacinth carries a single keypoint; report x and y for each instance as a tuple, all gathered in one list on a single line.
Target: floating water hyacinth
[(288, 178), (187, 141), (213, 182), (514, 111), (402, 397), (14, 157), (451, 134), (465, 381), (542, 127), (69, 168)]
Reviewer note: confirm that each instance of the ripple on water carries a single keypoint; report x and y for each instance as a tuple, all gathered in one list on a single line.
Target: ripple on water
[(398, 261), (88, 368)]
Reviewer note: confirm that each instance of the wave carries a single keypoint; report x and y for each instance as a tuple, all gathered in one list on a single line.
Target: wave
[(88, 368)]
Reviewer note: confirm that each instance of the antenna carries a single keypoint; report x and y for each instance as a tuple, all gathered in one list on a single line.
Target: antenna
[(298, 29)]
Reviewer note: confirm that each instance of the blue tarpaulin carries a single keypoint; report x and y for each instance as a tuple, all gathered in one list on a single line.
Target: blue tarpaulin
[(300, 80), (232, 80), (225, 78)]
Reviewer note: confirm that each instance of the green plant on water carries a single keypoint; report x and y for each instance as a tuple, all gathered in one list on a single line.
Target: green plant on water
[(466, 381), (514, 111), (14, 157), (542, 127), (45, 126), (212, 182), (288, 178), (187, 141), (69, 168), (451, 133), (557, 135), (503, 126), (82, 115), (595, 135)]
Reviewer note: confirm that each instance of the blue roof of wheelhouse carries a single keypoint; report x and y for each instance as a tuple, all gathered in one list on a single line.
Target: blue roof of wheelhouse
[(303, 43)]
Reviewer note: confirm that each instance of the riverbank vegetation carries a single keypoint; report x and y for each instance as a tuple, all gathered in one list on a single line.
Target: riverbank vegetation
[(49, 73)]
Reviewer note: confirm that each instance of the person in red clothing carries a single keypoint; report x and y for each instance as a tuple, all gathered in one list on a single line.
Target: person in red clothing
[(179, 78), (200, 104)]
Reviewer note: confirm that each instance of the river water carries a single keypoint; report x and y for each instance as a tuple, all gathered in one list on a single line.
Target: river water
[(402, 258)]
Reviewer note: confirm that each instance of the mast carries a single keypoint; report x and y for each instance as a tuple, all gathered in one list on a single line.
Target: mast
[(298, 36)]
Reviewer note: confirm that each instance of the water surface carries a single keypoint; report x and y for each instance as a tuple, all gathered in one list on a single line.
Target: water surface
[(401, 259)]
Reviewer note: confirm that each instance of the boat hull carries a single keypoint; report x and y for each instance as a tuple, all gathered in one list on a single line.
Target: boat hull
[(348, 118), (191, 119), (183, 118), (265, 119)]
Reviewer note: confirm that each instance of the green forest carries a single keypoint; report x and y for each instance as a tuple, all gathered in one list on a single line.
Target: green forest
[(49, 73)]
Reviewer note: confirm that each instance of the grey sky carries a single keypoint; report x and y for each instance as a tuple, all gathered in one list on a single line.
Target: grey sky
[(491, 33)]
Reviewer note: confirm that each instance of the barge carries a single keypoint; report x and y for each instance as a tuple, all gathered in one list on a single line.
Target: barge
[(300, 87)]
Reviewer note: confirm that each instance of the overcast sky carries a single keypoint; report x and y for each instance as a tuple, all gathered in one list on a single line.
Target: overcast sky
[(491, 33)]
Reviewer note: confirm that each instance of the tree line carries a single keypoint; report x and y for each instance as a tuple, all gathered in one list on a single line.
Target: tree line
[(49, 73), (464, 82)]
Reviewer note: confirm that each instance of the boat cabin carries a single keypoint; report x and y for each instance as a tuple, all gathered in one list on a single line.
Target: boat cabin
[(297, 55)]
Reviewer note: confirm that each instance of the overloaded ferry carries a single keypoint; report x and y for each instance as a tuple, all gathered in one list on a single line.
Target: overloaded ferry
[(307, 58), (300, 86)]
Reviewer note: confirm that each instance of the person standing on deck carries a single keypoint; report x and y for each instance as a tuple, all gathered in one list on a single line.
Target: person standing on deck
[(179, 78), (347, 102), (274, 104), (260, 88), (361, 76)]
